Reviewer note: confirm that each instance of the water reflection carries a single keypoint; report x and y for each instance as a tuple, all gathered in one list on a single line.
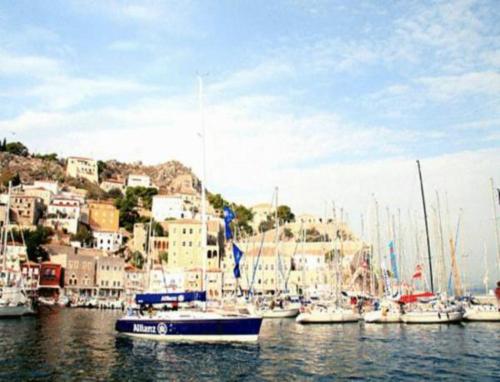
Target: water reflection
[(79, 344)]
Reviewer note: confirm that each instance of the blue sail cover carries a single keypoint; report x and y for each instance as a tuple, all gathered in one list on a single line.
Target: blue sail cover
[(164, 298)]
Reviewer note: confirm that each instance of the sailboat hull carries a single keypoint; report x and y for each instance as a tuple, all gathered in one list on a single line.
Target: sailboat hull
[(492, 315), (380, 317), (279, 313), (15, 311), (431, 317), (327, 317), (222, 329)]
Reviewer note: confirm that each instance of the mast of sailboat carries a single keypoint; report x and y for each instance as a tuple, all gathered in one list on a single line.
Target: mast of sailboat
[(426, 226), (6, 230), (495, 222), (203, 184), (276, 254), (486, 278)]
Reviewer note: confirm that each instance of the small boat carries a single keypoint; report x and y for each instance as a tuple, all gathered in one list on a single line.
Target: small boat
[(14, 303), (482, 313), (46, 301), (187, 325), (323, 314)]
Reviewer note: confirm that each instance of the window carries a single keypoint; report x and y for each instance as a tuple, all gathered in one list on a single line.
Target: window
[(190, 230)]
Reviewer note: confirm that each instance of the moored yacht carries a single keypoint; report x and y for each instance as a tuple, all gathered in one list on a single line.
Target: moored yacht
[(188, 325), (326, 313), (488, 312)]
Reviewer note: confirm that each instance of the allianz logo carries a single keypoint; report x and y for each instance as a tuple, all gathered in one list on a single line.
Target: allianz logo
[(161, 328)]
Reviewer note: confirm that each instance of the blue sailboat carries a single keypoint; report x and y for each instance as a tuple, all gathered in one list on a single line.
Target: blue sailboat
[(187, 325), (193, 324)]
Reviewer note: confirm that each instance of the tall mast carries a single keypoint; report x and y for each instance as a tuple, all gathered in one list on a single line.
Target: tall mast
[(6, 231), (276, 254), (379, 248), (495, 222), (426, 226), (203, 184), (485, 279), (441, 245)]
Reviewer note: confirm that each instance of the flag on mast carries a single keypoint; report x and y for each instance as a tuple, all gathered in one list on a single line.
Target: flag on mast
[(238, 254), (418, 272), (228, 218)]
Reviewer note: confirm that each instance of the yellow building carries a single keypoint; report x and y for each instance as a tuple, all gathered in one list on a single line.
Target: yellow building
[(78, 167), (184, 244), (103, 216)]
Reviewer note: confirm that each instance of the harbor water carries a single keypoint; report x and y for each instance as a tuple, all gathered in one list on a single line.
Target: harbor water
[(77, 344)]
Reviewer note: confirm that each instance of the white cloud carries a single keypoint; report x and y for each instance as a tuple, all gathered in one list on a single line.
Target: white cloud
[(28, 65), (444, 88)]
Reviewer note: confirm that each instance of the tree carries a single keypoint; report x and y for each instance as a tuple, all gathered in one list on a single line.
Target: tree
[(3, 145), (17, 148), (101, 166), (34, 241), (157, 229), (217, 201), (267, 224), (243, 218), (287, 233), (114, 193), (137, 259), (285, 214), (313, 235), (84, 235), (16, 180), (128, 214)]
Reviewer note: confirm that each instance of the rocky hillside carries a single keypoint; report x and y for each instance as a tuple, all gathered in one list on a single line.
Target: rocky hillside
[(32, 168)]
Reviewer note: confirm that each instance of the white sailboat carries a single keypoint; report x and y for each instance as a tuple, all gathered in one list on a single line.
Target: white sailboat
[(483, 312), (278, 307), (434, 311), (13, 299), (330, 312)]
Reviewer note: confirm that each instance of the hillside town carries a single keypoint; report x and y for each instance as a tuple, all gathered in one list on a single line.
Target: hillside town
[(91, 237)]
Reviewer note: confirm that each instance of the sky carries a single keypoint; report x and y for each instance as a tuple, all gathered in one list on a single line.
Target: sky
[(331, 101)]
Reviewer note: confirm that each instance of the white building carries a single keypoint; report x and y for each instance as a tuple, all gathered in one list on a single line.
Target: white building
[(138, 181), (79, 167), (169, 207), (110, 184), (64, 213), (47, 185), (107, 240)]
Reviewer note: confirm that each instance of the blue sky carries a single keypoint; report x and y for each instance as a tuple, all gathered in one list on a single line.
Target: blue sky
[(318, 97)]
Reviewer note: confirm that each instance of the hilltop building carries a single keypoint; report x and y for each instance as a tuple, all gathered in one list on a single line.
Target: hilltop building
[(134, 180), (78, 167)]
